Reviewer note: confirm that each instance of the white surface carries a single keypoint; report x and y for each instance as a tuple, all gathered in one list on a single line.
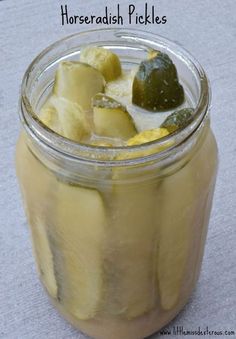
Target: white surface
[(207, 28)]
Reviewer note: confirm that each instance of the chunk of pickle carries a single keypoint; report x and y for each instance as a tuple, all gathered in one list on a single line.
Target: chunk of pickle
[(78, 82), (102, 143), (152, 53), (111, 119), (142, 138), (147, 136), (49, 116), (105, 61), (73, 120), (156, 85), (79, 240), (121, 88), (178, 119)]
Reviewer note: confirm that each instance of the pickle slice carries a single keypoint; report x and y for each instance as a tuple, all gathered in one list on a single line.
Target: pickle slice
[(147, 136), (178, 119), (156, 85), (103, 60), (73, 120), (79, 240), (78, 82), (111, 119)]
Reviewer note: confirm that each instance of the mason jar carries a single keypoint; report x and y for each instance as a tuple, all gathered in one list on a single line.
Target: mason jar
[(118, 232)]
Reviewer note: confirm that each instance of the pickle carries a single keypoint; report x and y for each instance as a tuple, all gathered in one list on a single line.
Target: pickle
[(152, 53), (111, 119), (78, 82), (102, 143), (79, 240), (141, 138), (37, 209), (177, 217), (121, 88), (147, 136), (44, 256), (48, 115), (183, 197), (156, 85), (102, 59), (178, 119), (72, 118), (132, 278)]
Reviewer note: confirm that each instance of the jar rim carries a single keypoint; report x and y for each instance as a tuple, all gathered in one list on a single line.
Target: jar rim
[(102, 155)]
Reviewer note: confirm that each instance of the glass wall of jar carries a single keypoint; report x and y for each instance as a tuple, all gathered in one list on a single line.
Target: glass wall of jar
[(118, 233)]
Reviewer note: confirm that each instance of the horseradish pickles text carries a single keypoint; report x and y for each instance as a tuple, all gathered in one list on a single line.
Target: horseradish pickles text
[(112, 16)]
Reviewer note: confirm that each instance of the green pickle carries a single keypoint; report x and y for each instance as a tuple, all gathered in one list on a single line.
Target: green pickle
[(178, 119), (156, 85)]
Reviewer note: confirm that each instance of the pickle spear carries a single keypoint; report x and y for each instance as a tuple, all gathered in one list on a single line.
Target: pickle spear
[(102, 59), (133, 285), (37, 211), (184, 195), (44, 255), (111, 118), (177, 217), (79, 239), (78, 82), (156, 85)]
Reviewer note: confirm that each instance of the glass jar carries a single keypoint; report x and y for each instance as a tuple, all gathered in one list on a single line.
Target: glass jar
[(118, 233)]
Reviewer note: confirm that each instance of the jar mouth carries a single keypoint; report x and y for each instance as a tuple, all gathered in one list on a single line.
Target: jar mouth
[(103, 155)]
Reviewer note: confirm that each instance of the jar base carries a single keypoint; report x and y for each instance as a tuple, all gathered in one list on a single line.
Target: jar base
[(110, 328)]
